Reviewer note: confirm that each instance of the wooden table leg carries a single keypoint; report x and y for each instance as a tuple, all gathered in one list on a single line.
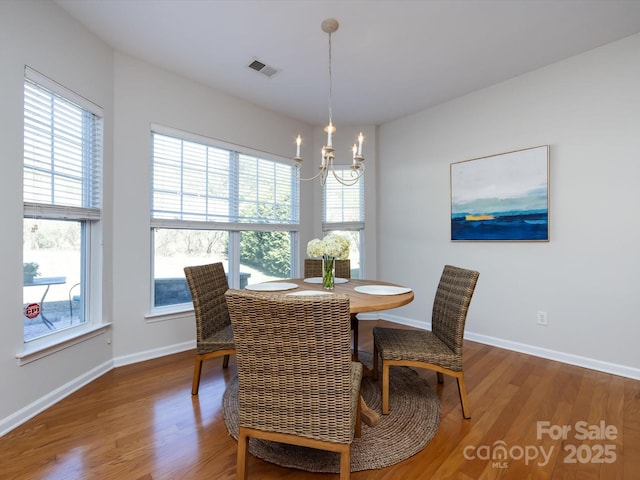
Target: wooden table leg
[(369, 417)]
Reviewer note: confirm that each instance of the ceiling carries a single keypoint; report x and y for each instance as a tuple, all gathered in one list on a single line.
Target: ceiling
[(389, 58)]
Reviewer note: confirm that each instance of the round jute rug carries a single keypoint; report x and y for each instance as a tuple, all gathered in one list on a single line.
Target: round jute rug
[(411, 424)]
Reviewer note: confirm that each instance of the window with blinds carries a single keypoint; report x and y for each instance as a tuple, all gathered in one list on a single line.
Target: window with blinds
[(217, 202), (343, 205), (190, 181), (266, 191), (203, 183), (343, 213), (62, 151), (62, 193)]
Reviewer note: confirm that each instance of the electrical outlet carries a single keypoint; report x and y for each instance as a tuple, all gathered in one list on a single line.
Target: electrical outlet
[(542, 318)]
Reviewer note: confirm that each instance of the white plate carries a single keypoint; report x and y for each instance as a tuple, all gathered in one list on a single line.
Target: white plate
[(382, 289), (319, 280), (310, 292), (271, 286)]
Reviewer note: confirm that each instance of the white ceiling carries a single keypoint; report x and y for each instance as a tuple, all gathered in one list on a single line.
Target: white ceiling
[(390, 58)]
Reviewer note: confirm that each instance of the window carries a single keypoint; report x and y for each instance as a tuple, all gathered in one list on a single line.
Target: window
[(62, 206), (217, 202), (343, 213)]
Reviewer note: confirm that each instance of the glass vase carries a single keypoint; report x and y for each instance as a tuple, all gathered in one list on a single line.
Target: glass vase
[(328, 272)]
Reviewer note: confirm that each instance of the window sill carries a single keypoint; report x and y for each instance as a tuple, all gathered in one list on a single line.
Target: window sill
[(172, 312), (39, 350)]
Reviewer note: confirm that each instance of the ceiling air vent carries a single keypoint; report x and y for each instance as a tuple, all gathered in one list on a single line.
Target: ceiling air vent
[(258, 66)]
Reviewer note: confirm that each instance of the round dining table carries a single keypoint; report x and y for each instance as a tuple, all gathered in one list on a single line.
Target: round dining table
[(377, 296), (359, 302)]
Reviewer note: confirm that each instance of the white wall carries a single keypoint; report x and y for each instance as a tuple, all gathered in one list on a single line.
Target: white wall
[(134, 95), (42, 36), (587, 109), (144, 95)]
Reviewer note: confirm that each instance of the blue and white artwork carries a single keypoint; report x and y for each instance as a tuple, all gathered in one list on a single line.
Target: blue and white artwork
[(501, 197)]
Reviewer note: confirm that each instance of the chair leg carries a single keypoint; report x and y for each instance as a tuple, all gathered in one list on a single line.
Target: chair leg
[(374, 374), (368, 416), (225, 361), (462, 389), (358, 432), (197, 370), (241, 463), (354, 327), (345, 464), (385, 387)]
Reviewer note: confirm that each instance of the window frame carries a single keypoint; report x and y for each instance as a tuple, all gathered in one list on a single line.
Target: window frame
[(346, 225), (235, 226), (88, 213)]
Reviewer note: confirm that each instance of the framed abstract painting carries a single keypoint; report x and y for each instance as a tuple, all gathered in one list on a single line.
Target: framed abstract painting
[(503, 197)]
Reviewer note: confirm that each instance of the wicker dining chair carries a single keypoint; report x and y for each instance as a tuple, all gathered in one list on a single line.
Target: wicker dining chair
[(439, 349), (297, 383), (313, 268), (214, 334)]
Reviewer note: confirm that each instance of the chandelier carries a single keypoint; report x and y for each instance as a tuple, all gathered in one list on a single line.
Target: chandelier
[(329, 26)]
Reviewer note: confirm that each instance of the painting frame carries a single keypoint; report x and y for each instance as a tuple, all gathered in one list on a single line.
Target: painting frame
[(502, 197)]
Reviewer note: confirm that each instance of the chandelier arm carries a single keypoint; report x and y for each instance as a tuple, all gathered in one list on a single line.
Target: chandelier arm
[(353, 180), (322, 170)]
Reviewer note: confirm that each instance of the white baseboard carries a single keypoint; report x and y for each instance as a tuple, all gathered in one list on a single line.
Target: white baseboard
[(155, 353), (568, 358), (577, 360), (18, 418)]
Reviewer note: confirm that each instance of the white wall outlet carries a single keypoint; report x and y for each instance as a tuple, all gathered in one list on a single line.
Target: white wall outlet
[(542, 318)]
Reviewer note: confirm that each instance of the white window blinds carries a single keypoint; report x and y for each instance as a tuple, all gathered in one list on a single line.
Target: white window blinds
[(343, 206), (198, 182), (266, 192), (62, 151), (190, 181)]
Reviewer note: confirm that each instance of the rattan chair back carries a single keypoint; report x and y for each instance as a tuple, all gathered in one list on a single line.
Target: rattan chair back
[(451, 304), (294, 364), (214, 335), (313, 268), (208, 284)]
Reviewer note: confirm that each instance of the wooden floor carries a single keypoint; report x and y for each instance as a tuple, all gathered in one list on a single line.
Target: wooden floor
[(141, 422)]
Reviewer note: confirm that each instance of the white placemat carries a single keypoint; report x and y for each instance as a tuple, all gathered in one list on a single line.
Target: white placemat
[(309, 292), (271, 286), (319, 280), (382, 289)]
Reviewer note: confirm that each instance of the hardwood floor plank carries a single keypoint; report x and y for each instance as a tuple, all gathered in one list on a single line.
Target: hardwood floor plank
[(141, 422), (630, 427)]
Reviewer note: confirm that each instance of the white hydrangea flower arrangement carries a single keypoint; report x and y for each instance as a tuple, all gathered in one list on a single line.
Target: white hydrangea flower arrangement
[(333, 245), (330, 248)]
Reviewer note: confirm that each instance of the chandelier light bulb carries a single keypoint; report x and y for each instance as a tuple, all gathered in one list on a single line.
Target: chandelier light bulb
[(298, 143)]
